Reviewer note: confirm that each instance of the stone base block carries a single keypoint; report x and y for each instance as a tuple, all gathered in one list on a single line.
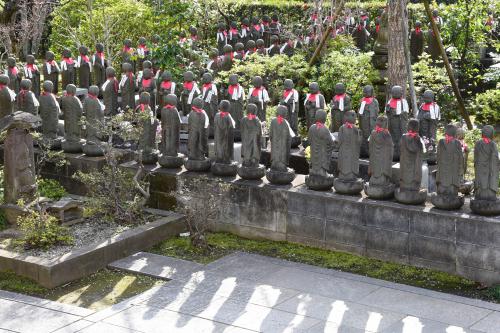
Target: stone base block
[(319, 183), (93, 150), (280, 177), (224, 170), (197, 165), (250, 173), (379, 192), (411, 197), (149, 158), (350, 187), (447, 202), (54, 144), (171, 162), (12, 212), (73, 147), (485, 207)]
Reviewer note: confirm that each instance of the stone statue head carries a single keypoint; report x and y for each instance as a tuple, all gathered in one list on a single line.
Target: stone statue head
[(155, 39), (213, 53), (245, 21), (127, 67), (94, 90), (198, 102), (368, 91), (127, 43), (488, 131), (460, 132), (428, 96), (71, 89), (25, 84), (193, 31), (435, 13), (450, 130), (49, 56), (66, 53), (4, 79), (142, 41), (110, 72), (339, 89), (11, 61), (207, 78), (288, 84), (99, 47), (239, 47), (224, 105), (147, 73), (274, 39), (83, 50), (282, 110), (233, 25), (413, 125), (233, 79), (30, 59), (252, 108), (259, 43), (397, 92), (171, 99), (250, 44), (255, 20), (166, 76), (144, 98), (182, 34), (320, 116), (221, 26), (188, 76), (257, 81), (350, 117), (275, 17), (48, 86), (382, 121), (313, 87), (227, 49), (418, 24), (266, 19)]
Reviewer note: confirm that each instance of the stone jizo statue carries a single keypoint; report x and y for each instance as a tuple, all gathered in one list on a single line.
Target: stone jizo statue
[(429, 115), (416, 42), (127, 87), (68, 70), (99, 64), (72, 110), (14, 74), (321, 143), (110, 90), (209, 94), (198, 123), (26, 99), (251, 143), (314, 101), (51, 70), (94, 116), (189, 92), (224, 142), (367, 115), (147, 140), (235, 94), (397, 111), (49, 112), (290, 98), (170, 134), (259, 96), (7, 97), (166, 87), (148, 85), (32, 73)]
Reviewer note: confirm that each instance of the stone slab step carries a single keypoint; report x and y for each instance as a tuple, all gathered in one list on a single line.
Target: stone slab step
[(155, 265)]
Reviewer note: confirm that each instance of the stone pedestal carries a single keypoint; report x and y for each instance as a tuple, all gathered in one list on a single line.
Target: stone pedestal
[(280, 177), (171, 162), (379, 192), (411, 197), (72, 146), (349, 187), (319, 183), (252, 173), (485, 207), (197, 165), (447, 202), (224, 170), (93, 150), (149, 157)]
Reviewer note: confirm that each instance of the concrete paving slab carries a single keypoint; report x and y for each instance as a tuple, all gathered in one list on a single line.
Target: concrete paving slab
[(489, 324)]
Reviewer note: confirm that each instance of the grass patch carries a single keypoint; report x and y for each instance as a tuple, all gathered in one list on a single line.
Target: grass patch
[(95, 292), (221, 244)]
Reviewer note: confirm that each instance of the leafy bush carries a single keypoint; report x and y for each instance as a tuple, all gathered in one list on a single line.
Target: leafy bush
[(487, 107), (51, 189), (42, 231)]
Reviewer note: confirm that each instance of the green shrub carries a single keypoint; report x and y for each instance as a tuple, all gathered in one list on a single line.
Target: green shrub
[(42, 231), (51, 189), (487, 107)]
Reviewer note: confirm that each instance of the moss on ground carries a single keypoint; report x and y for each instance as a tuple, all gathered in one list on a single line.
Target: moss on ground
[(221, 244), (95, 292)]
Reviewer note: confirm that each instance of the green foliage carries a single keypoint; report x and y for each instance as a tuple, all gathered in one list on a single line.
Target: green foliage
[(51, 189), (42, 231), (487, 107), (3, 221), (12, 282), (471, 137), (350, 67)]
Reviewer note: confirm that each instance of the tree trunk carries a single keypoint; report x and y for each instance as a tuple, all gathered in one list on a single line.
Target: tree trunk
[(396, 68)]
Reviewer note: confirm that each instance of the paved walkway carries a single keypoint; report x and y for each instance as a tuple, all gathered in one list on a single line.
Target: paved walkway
[(248, 293)]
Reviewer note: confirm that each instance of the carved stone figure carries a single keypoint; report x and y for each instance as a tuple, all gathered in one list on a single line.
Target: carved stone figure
[(221, 37), (51, 70), (486, 167), (348, 181), (429, 115), (190, 91), (280, 136), (170, 134), (110, 93), (127, 53), (289, 47), (410, 172), (251, 136), (397, 111), (84, 67), (198, 123), (147, 140), (256, 30), (166, 87), (261, 48), (94, 117), (380, 185), (245, 31), (466, 185), (210, 98), (239, 53), (26, 99), (259, 96), (127, 87), (275, 47), (99, 64), (433, 45), (235, 94), (49, 113), (147, 84), (224, 142), (68, 71), (251, 48), (72, 110), (341, 103), (7, 97), (367, 115), (14, 74), (360, 35), (214, 64), (321, 143), (32, 73), (142, 52), (233, 34), (314, 101), (227, 58), (450, 163), (290, 99), (380, 48), (416, 42)]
